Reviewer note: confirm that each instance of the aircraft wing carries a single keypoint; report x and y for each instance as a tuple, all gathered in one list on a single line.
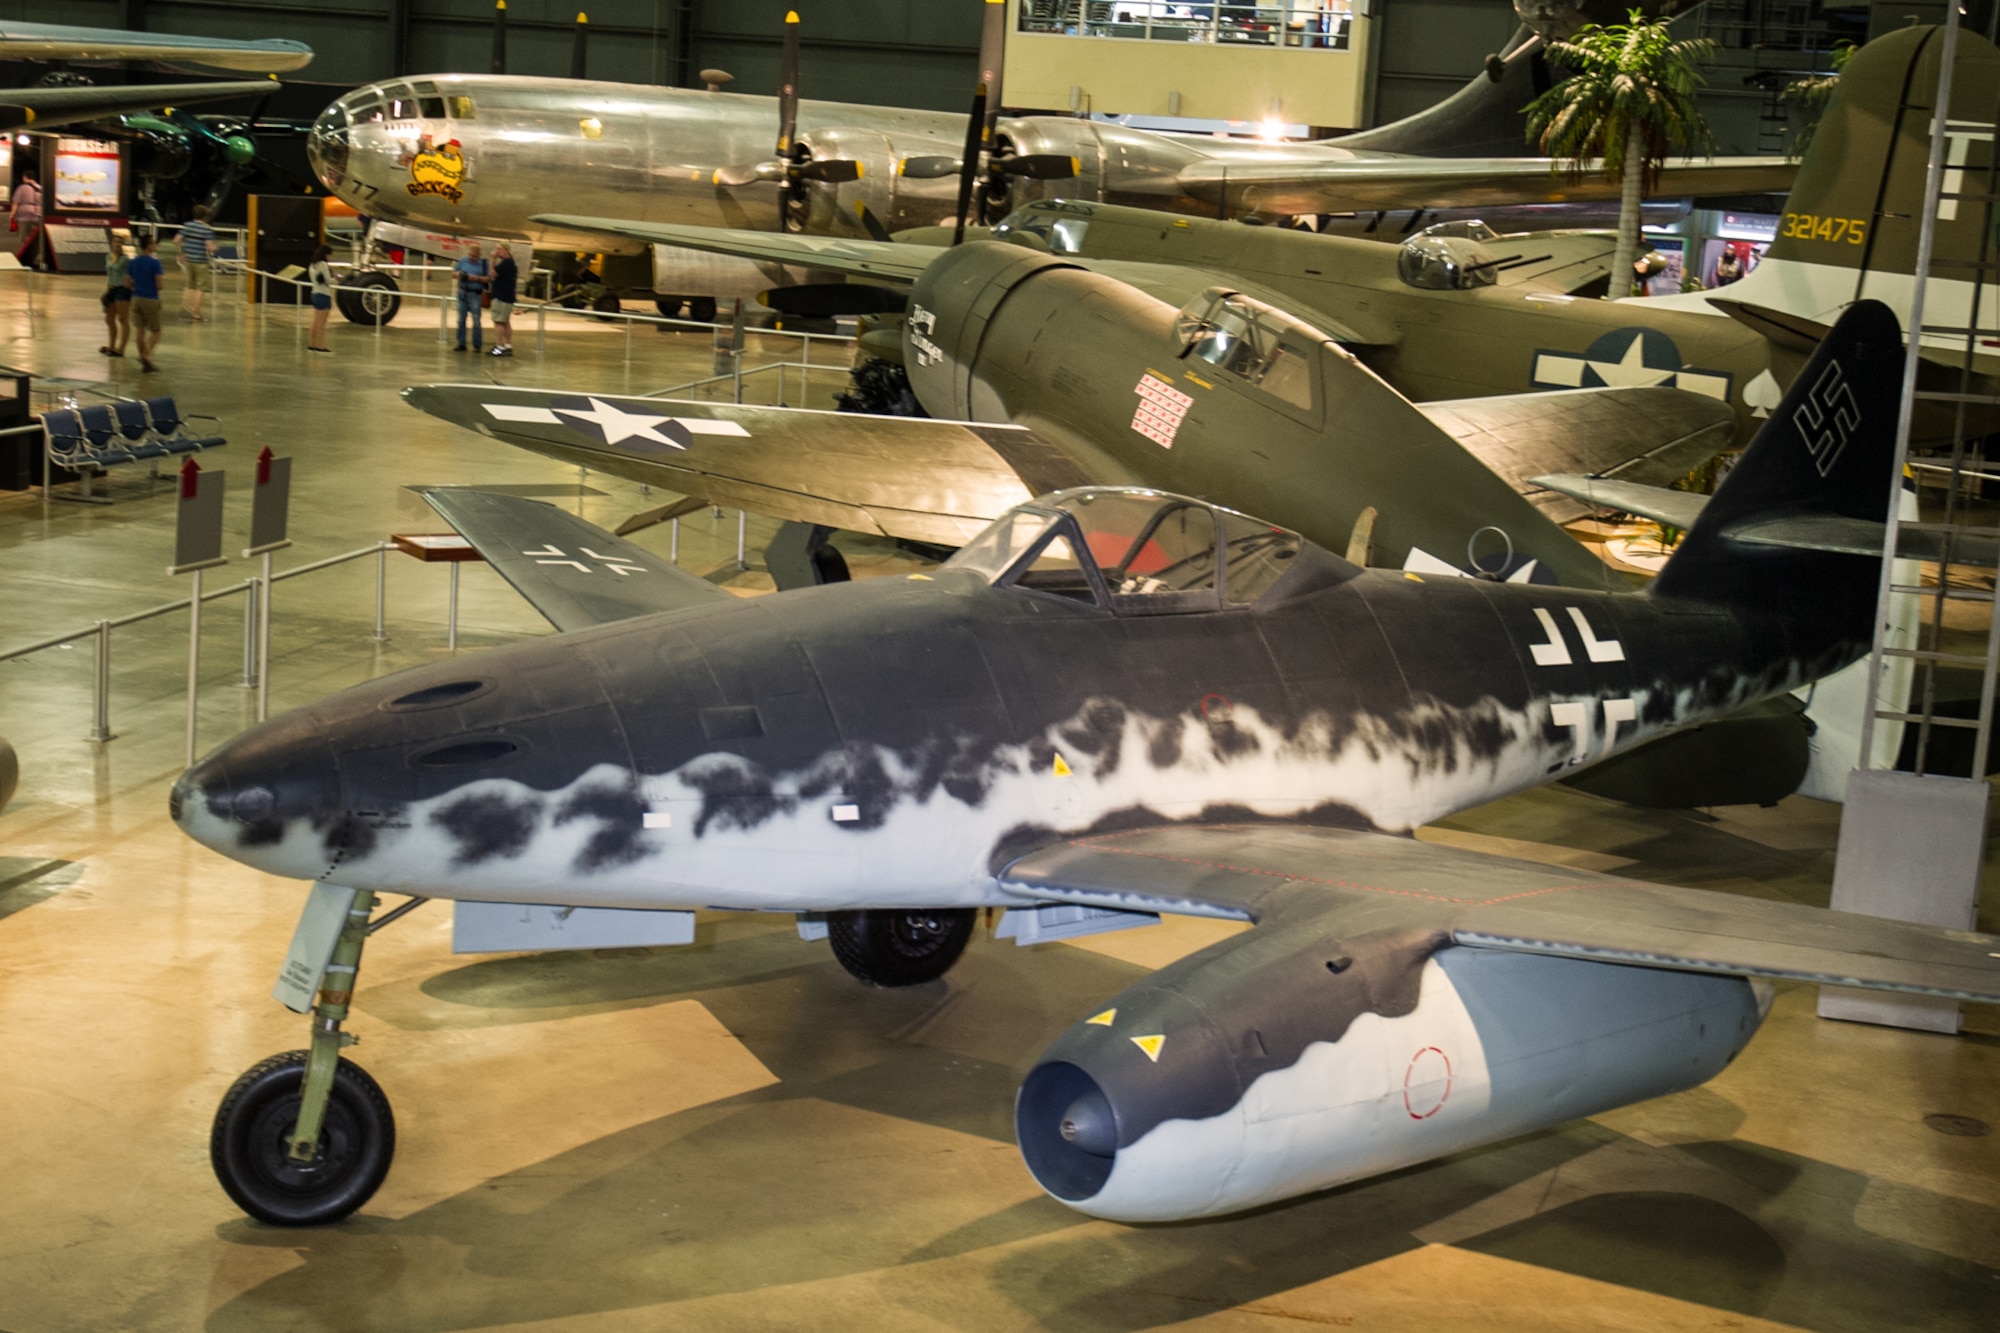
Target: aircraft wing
[(889, 260), (63, 41), (1342, 883), (1645, 436), (1362, 184), (910, 477), (573, 572), (47, 108)]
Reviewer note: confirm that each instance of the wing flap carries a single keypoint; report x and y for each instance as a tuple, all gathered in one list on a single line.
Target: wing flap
[(889, 260), (1276, 874), (910, 477), (1358, 185), (575, 573)]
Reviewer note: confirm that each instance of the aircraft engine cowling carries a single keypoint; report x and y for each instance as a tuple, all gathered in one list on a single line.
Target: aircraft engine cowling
[(1053, 136), (897, 201), (1292, 1059), (952, 305)]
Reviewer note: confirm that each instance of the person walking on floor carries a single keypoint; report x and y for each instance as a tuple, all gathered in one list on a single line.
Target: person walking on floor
[(27, 219), (197, 249), (320, 273), (117, 299), (147, 277), (474, 277), (506, 273)]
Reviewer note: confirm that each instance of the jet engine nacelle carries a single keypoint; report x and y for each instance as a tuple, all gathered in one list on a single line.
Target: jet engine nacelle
[(897, 201), (1279, 1063)]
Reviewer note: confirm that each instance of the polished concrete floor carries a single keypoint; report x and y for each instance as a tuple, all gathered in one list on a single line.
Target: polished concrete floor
[(734, 1134)]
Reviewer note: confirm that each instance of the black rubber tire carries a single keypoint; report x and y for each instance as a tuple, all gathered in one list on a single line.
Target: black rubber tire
[(905, 948), (701, 309), (606, 303), (669, 306), (363, 296), (247, 1144)]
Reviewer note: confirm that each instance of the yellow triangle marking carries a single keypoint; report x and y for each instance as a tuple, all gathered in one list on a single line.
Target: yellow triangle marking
[(1062, 767), (1103, 1020), (1412, 577), (1151, 1045)]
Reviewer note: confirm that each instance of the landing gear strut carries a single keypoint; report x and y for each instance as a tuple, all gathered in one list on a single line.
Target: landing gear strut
[(305, 1138), (903, 948)]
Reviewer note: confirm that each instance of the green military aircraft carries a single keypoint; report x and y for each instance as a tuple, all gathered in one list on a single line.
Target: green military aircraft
[(1458, 312)]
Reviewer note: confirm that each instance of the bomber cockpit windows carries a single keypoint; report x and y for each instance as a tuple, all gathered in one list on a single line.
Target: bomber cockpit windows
[(460, 107), (1446, 263), (429, 105), (1252, 341)]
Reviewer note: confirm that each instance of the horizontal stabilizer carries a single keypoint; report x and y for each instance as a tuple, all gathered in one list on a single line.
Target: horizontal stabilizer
[(1340, 882), (1860, 536), (1661, 504), (573, 572), (1650, 435)]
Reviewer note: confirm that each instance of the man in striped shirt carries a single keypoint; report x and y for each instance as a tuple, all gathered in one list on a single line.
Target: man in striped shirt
[(197, 248)]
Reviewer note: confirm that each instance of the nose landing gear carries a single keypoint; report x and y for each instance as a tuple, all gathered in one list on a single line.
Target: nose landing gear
[(305, 1138)]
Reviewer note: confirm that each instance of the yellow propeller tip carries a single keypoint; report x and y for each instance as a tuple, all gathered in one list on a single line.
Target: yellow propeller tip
[(499, 4), (582, 17), (791, 16)]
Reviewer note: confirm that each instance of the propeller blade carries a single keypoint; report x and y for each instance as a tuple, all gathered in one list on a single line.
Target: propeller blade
[(750, 173), (500, 36), (824, 300), (974, 127), (929, 168), (1040, 166), (992, 61), (870, 223), (833, 170), (579, 54), (788, 87)]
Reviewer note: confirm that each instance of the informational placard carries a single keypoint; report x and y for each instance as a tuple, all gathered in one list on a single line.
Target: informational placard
[(80, 245), (198, 520), (270, 500), (87, 175)]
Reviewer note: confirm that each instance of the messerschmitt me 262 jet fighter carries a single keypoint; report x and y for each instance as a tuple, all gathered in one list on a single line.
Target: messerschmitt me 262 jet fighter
[(1113, 703)]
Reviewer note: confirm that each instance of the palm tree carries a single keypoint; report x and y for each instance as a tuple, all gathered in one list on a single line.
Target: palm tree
[(1627, 104), (1811, 94)]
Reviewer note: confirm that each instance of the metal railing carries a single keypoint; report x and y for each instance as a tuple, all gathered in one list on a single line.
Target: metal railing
[(250, 589)]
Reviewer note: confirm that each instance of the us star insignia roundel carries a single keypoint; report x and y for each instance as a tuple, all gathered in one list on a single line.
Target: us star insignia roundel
[(1627, 358)]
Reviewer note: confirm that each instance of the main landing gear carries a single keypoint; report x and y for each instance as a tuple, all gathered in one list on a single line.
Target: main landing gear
[(305, 1138), (900, 948)]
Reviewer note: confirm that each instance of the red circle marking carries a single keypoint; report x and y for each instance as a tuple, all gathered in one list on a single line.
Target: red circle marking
[(1217, 708), (1429, 1078)]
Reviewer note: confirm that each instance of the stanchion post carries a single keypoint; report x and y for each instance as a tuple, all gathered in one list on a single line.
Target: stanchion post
[(100, 723), (251, 589), (451, 641), (194, 665), (674, 544), (742, 531), (381, 634), (264, 644), (541, 328)]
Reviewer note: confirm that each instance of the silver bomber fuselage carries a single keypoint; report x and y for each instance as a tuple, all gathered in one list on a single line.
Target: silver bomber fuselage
[(650, 154)]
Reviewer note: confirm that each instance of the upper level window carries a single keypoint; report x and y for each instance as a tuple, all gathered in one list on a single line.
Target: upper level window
[(1253, 341), (1323, 25)]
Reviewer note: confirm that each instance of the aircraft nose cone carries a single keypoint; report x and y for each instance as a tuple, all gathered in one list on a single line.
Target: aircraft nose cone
[(1088, 1124), (327, 148), (249, 797)]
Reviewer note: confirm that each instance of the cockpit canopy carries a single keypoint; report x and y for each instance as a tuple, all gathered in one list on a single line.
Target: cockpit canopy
[(1251, 340), (1057, 228), (1440, 263), (1136, 552)]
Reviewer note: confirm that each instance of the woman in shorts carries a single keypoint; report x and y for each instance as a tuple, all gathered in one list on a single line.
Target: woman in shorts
[(320, 273), (117, 301)]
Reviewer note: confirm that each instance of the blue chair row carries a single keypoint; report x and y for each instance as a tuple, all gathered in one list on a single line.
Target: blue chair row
[(93, 438)]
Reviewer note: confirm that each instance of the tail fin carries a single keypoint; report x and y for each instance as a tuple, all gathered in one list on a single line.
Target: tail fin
[(1850, 225), (1793, 535)]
